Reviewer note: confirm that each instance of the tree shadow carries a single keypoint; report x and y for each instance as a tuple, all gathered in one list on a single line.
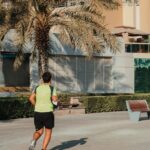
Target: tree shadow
[(70, 144), (19, 77), (7, 121), (72, 71)]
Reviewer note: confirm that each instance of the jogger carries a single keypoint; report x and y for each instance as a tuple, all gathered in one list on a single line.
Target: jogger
[(42, 98)]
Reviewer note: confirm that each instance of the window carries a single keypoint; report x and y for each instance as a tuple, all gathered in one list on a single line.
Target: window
[(136, 2), (137, 48), (72, 3), (81, 3), (20, 77)]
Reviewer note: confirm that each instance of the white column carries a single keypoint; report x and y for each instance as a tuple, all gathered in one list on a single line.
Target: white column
[(137, 16), (128, 15)]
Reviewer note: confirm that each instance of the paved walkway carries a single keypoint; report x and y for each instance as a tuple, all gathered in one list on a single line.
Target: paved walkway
[(103, 131)]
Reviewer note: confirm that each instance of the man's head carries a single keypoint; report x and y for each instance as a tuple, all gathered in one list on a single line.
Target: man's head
[(46, 77)]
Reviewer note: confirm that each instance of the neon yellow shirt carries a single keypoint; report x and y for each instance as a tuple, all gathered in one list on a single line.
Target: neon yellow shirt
[(43, 98)]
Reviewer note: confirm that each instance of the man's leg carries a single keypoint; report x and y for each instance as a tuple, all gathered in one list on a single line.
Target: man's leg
[(47, 138), (37, 134), (39, 126)]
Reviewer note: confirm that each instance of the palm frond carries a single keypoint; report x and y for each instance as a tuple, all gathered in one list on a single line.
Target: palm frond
[(82, 26), (19, 12), (77, 21), (42, 6), (76, 33), (19, 59), (34, 54), (3, 32), (21, 30), (16, 11), (97, 6), (78, 13), (109, 4), (56, 3), (2, 16)]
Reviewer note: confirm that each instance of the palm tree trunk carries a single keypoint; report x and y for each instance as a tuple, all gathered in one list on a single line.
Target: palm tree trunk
[(43, 62), (41, 42)]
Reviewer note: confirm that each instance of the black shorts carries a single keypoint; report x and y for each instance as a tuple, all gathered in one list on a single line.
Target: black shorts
[(43, 119)]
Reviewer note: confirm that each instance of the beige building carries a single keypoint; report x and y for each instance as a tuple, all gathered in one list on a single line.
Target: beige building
[(124, 72), (133, 14)]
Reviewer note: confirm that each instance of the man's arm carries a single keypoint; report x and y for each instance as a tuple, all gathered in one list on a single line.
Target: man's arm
[(32, 99)]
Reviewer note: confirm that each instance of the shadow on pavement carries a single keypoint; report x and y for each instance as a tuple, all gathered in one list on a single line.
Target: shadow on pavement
[(144, 118), (70, 144), (6, 120)]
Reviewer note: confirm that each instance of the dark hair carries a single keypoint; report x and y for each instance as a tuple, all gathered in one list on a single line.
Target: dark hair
[(46, 77)]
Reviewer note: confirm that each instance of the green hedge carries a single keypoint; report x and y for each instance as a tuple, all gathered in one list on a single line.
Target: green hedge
[(16, 107), (95, 104), (19, 107)]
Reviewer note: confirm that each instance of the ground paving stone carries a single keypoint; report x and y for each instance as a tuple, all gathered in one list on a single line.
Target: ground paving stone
[(99, 131)]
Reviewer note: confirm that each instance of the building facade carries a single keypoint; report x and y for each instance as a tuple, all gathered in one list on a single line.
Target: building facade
[(72, 71), (133, 13), (133, 24)]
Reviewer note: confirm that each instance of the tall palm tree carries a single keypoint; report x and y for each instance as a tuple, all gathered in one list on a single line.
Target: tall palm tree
[(81, 26)]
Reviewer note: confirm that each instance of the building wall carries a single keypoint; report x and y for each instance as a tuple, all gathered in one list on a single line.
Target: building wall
[(107, 73), (2, 81), (130, 15), (123, 16), (101, 74), (113, 18), (144, 15), (79, 74), (73, 72), (123, 72)]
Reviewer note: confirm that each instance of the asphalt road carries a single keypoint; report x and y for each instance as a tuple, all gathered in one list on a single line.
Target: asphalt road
[(103, 131)]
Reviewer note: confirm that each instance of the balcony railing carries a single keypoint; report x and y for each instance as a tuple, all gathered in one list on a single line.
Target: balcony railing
[(137, 47)]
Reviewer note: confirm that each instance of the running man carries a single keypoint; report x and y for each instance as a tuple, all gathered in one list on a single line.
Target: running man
[(41, 99)]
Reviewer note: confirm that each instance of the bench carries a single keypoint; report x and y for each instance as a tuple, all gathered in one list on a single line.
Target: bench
[(63, 106), (74, 102), (136, 107), (74, 106)]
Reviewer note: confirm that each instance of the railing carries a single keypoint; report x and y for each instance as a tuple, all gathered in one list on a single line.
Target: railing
[(137, 47)]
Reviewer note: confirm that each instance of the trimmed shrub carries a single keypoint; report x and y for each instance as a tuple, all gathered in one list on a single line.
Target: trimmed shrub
[(20, 107), (15, 107), (110, 103)]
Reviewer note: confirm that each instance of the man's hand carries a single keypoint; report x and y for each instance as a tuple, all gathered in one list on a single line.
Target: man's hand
[(54, 98)]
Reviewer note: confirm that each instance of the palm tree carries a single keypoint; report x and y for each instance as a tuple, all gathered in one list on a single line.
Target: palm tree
[(81, 26)]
